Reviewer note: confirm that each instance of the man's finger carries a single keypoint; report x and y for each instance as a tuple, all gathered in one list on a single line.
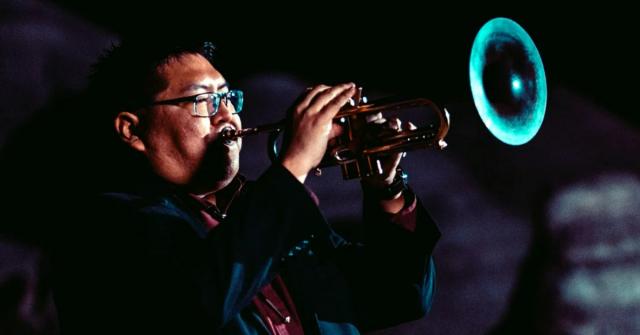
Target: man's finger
[(310, 94), (392, 162), (331, 101), (374, 118), (395, 124)]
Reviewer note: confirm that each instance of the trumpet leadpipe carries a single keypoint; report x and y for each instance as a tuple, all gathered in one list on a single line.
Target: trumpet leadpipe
[(231, 134)]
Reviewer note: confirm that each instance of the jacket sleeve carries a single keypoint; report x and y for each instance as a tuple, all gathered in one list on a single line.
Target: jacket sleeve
[(143, 266), (392, 274), (264, 223)]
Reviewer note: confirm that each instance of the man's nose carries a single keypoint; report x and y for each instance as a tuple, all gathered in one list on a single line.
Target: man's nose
[(225, 110)]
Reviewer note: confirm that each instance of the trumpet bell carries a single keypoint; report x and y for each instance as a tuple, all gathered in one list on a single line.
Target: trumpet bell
[(508, 81)]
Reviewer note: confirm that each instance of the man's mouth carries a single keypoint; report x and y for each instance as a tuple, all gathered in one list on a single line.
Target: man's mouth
[(225, 137)]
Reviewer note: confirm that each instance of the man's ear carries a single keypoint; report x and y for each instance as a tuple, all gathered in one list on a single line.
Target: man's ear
[(126, 124)]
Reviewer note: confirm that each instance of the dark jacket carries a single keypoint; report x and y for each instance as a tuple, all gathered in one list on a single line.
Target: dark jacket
[(141, 263)]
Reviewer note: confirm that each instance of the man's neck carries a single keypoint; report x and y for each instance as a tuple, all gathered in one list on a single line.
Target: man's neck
[(222, 198), (208, 197)]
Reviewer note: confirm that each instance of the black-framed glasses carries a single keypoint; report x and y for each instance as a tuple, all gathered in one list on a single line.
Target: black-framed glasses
[(206, 104)]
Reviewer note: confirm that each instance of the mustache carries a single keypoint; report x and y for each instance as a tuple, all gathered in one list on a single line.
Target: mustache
[(218, 139)]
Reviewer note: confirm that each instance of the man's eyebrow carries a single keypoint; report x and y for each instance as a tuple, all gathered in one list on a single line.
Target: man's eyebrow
[(207, 88)]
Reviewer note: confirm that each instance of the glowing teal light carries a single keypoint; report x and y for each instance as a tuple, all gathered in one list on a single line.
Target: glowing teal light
[(516, 84), (511, 129)]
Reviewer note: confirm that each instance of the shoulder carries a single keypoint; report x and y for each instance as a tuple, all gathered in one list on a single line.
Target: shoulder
[(115, 211), (122, 202)]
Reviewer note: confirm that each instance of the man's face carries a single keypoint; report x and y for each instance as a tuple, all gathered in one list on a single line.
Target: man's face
[(182, 148)]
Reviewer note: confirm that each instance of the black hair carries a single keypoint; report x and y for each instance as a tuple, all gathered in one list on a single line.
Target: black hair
[(124, 78)]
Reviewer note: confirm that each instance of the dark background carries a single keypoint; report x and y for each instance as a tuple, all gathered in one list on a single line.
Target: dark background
[(422, 47), (523, 227)]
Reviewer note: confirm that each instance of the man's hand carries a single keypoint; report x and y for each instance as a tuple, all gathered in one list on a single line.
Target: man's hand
[(389, 165), (311, 127)]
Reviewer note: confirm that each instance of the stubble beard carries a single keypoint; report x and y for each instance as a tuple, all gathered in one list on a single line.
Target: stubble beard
[(219, 167)]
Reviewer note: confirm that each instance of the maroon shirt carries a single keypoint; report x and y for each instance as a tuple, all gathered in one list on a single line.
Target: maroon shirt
[(273, 303)]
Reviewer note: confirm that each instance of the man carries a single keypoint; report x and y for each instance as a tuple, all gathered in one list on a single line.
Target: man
[(185, 245)]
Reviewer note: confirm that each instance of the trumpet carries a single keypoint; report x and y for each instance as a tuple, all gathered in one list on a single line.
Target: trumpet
[(356, 157), (509, 91)]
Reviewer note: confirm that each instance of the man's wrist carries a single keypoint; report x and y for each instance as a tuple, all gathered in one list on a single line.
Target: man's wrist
[(299, 172), (390, 192), (393, 206)]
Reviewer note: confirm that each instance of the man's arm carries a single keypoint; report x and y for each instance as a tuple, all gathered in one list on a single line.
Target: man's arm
[(392, 275), (138, 261), (263, 224)]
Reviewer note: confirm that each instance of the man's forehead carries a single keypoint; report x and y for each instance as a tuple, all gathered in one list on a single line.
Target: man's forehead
[(207, 84), (190, 73)]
